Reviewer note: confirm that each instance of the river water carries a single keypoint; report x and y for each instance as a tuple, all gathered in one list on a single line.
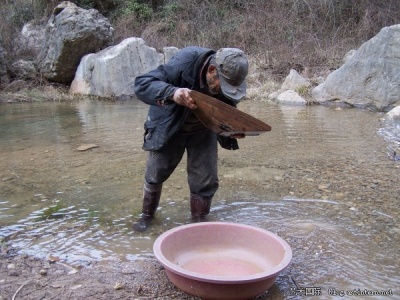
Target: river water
[(322, 179)]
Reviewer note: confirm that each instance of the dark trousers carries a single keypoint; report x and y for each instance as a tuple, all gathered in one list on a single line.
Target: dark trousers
[(202, 152)]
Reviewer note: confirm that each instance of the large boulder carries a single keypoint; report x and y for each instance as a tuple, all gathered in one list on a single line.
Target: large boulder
[(370, 78), (112, 71), (71, 33), (31, 40)]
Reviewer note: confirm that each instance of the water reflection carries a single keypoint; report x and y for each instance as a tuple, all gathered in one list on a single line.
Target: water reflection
[(321, 179)]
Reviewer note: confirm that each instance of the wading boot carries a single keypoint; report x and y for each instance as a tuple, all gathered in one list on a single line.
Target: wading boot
[(151, 199), (199, 207)]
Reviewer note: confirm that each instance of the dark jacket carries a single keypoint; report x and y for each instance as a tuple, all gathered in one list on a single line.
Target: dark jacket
[(163, 121)]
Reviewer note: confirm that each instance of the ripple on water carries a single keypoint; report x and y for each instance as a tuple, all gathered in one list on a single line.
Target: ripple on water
[(77, 235), (328, 251)]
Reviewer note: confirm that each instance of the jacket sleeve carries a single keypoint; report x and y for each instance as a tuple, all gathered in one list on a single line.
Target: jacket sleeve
[(161, 83), (154, 86)]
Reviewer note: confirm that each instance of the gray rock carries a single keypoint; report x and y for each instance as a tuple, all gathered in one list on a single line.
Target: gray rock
[(290, 97), (112, 71), (31, 40), (295, 81), (169, 52), (349, 55), (71, 33), (288, 93), (370, 77), (393, 117), (24, 69)]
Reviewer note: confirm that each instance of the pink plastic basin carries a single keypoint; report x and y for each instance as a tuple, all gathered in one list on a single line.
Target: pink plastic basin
[(217, 260)]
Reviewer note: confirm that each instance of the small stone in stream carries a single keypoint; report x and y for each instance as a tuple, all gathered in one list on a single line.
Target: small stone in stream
[(86, 147), (43, 272), (14, 273), (118, 286)]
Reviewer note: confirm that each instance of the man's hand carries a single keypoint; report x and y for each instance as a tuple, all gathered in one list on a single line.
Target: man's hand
[(182, 97)]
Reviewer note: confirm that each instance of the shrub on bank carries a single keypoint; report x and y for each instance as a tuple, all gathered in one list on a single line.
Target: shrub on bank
[(311, 34)]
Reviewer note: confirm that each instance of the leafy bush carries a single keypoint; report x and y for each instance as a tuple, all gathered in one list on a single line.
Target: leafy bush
[(142, 11), (105, 7), (312, 33)]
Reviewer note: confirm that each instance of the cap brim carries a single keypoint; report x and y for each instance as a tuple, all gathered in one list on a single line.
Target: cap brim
[(235, 93)]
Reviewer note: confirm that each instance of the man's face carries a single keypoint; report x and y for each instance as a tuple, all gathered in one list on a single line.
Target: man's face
[(213, 82)]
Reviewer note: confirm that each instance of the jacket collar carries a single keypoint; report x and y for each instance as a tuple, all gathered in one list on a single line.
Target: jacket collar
[(202, 74), (193, 71)]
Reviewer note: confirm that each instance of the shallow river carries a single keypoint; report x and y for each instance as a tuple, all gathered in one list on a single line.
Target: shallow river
[(322, 179)]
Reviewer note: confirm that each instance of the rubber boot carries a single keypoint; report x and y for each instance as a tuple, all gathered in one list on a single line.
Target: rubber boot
[(151, 199), (199, 207)]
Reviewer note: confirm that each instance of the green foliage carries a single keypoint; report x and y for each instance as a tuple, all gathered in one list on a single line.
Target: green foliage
[(18, 15), (169, 16), (87, 4), (21, 16), (303, 91), (19, 12), (105, 7), (170, 10), (142, 11)]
